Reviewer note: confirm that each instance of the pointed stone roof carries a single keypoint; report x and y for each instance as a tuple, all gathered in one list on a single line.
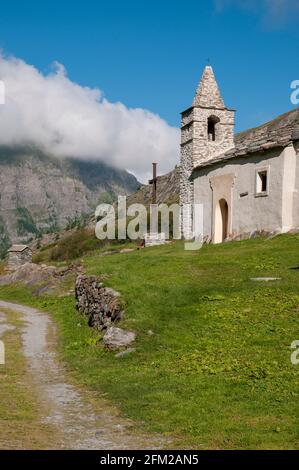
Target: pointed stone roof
[(207, 93)]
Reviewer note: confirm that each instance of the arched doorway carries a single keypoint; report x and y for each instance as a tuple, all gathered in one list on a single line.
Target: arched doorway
[(221, 221)]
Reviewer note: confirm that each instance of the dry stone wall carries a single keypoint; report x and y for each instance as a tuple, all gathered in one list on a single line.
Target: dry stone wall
[(101, 305)]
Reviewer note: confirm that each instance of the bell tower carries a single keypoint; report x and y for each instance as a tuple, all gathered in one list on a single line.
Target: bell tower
[(207, 130)]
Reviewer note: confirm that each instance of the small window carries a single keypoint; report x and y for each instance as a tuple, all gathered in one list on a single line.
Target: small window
[(212, 128), (262, 182)]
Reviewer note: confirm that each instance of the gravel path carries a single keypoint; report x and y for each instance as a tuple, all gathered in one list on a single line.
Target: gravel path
[(69, 409)]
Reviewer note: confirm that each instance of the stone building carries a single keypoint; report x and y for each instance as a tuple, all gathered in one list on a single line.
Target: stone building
[(18, 255), (247, 183)]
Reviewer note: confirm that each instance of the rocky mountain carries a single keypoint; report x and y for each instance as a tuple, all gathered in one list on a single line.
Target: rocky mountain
[(40, 193), (168, 190)]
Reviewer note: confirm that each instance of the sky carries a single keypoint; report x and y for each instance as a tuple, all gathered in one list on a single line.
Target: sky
[(126, 69)]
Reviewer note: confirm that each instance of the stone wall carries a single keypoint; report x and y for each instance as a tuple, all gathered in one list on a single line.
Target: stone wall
[(17, 259), (101, 305), (196, 146), (203, 149), (186, 190)]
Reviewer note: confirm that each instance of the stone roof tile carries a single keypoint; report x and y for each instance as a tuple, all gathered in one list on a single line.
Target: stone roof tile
[(17, 248), (207, 93)]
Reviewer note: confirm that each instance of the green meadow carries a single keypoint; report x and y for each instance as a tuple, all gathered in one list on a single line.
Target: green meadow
[(212, 366)]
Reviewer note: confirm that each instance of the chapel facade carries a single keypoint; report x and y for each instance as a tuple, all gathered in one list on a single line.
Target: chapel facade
[(246, 183)]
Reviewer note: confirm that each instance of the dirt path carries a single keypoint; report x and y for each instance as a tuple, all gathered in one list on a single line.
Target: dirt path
[(82, 425)]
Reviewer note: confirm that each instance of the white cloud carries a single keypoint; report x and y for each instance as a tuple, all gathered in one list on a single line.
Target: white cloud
[(67, 119)]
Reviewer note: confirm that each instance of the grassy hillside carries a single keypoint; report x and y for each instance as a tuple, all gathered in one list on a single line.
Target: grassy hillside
[(77, 244), (216, 372)]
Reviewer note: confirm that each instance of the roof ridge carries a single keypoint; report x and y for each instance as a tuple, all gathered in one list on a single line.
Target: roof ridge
[(272, 121)]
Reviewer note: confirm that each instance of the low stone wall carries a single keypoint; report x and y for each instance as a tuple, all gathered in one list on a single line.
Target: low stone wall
[(154, 239), (102, 305)]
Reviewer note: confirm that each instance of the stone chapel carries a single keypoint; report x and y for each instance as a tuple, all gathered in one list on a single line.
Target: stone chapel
[(248, 183)]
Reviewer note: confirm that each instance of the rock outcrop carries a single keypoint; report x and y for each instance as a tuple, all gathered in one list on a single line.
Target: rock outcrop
[(40, 277), (101, 305), (30, 274), (168, 188), (116, 338)]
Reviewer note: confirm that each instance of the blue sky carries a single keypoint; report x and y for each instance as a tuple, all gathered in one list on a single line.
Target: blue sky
[(150, 54)]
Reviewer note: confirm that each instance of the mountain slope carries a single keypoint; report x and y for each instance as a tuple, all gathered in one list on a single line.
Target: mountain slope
[(168, 190), (40, 193)]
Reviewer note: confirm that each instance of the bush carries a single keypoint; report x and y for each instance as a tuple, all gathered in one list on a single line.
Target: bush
[(74, 246)]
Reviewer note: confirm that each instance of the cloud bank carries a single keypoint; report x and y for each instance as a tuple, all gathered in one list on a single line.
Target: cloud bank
[(66, 119)]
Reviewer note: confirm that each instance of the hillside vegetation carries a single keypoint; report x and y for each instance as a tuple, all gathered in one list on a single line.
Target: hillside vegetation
[(212, 363), (77, 244)]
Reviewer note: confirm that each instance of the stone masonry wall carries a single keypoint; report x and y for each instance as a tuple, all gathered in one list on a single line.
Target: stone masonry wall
[(17, 259), (204, 150), (196, 147), (208, 94), (101, 305), (186, 189)]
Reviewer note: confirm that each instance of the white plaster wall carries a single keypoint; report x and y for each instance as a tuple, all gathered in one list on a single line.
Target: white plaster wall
[(288, 187), (248, 213), (296, 190)]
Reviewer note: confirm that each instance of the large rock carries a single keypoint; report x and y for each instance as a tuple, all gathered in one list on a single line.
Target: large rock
[(30, 274), (41, 277), (116, 338)]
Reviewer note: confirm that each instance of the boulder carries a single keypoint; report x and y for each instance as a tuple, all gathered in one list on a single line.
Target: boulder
[(116, 338), (41, 277), (29, 274)]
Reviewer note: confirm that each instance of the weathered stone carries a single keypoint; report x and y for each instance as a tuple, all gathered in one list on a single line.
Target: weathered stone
[(197, 143), (102, 305), (117, 338), (154, 239), (29, 274), (207, 93), (18, 255), (40, 277)]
